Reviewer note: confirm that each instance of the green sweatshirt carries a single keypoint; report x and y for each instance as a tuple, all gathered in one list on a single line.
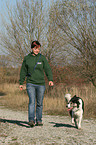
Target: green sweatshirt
[(35, 76)]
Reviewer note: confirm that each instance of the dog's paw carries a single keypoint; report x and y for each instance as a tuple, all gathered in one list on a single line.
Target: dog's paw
[(79, 127), (72, 121)]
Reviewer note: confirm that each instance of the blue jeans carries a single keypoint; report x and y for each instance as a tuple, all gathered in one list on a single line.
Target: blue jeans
[(36, 94)]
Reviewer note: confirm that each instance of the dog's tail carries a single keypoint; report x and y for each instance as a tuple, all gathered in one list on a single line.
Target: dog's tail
[(67, 97)]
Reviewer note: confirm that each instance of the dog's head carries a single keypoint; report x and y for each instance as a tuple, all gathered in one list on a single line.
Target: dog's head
[(69, 104)]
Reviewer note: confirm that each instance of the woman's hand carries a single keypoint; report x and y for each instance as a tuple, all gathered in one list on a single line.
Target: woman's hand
[(51, 83), (21, 87)]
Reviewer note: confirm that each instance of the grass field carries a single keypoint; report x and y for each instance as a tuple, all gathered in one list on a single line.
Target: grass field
[(54, 103)]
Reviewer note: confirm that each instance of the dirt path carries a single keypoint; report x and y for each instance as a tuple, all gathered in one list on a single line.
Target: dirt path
[(57, 130)]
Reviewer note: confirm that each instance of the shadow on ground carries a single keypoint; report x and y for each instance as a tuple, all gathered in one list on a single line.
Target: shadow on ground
[(20, 123), (2, 94), (62, 125)]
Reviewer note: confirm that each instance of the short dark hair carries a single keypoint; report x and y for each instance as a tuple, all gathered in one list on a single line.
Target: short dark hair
[(35, 43)]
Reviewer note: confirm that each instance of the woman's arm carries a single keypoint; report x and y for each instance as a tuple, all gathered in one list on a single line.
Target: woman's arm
[(23, 72)]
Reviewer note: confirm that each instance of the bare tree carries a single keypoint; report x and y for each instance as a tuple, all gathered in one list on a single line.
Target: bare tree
[(55, 52), (73, 25), (25, 22)]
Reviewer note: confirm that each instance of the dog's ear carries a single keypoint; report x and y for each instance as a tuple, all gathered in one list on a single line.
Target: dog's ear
[(74, 96)]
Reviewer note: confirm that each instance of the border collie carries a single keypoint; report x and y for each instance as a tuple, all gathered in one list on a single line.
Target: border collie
[(75, 107)]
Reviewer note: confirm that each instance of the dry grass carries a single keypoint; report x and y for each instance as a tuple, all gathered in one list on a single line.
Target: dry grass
[(54, 103), (12, 97)]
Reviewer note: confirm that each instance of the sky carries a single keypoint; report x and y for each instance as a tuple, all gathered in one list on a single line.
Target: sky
[(4, 11), (11, 3)]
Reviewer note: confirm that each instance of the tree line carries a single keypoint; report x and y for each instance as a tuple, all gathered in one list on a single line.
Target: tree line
[(66, 30)]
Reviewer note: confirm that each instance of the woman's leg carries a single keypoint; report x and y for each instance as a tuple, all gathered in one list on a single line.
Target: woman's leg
[(31, 108), (39, 106)]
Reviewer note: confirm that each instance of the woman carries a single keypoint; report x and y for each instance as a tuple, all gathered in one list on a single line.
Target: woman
[(34, 65)]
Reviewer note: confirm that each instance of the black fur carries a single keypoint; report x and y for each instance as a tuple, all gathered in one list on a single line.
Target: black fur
[(70, 113), (75, 99)]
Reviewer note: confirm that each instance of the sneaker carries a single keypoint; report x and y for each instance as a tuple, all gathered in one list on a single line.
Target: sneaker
[(31, 123), (39, 123)]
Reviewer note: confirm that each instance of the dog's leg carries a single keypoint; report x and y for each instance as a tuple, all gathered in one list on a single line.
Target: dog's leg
[(79, 122), (76, 124), (72, 119)]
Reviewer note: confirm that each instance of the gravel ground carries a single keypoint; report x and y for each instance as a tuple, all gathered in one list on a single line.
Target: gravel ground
[(57, 130)]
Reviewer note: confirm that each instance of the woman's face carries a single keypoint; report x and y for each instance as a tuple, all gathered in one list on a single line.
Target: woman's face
[(36, 49)]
